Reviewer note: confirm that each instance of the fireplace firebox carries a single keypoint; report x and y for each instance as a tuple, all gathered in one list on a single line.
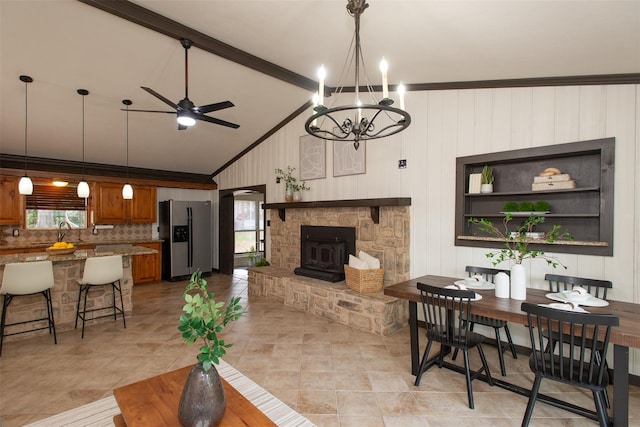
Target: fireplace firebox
[(324, 251)]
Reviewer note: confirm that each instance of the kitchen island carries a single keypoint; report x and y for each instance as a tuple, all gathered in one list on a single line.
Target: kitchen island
[(67, 269)]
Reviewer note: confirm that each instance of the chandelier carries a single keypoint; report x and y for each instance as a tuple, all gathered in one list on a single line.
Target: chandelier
[(352, 122)]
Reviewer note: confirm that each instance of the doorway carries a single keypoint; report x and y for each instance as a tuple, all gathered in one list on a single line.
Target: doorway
[(242, 227)]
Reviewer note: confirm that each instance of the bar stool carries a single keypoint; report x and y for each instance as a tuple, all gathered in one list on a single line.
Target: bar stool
[(101, 271), (27, 278)]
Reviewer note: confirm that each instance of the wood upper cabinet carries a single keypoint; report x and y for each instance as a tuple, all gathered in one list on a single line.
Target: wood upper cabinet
[(147, 268), (111, 208), (10, 201)]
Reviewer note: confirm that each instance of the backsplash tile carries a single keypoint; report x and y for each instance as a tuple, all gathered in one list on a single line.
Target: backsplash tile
[(120, 232)]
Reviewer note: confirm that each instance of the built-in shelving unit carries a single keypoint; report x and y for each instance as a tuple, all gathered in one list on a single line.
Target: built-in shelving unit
[(585, 211), (373, 204)]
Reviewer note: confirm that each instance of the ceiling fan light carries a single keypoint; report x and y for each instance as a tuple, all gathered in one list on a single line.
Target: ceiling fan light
[(83, 189), (186, 120), (127, 191), (25, 186)]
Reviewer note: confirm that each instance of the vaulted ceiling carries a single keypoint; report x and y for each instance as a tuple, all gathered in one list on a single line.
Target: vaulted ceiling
[(262, 55)]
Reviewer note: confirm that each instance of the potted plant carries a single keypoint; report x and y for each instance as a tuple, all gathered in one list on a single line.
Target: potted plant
[(297, 188), (252, 255), (516, 247), (486, 179), (202, 320), (289, 181)]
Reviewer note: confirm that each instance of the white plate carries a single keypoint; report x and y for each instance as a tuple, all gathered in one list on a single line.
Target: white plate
[(565, 296), (477, 298), (476, 285), (565, 307)]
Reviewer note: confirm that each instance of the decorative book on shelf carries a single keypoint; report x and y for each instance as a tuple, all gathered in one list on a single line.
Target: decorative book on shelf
[(475, 182)]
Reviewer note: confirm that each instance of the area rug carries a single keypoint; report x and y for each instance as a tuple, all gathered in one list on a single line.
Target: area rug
[(101, 412)]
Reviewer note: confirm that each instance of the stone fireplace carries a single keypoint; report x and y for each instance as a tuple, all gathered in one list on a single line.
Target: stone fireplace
[(324, 251), (381, 229)]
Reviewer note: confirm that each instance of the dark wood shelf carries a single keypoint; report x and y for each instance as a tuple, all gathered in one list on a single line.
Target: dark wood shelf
[(564, 215), (373, 204), (529, 193)]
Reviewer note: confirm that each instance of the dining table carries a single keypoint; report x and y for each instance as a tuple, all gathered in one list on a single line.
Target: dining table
[(624, 336)]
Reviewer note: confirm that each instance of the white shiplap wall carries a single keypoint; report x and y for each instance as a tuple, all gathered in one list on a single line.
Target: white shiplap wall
[(452, 123)]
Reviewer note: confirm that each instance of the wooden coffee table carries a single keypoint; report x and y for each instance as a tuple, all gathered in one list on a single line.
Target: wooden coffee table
[(154, 402)]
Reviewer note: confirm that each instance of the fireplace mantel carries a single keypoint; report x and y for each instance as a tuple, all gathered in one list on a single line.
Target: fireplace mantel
[(374, 204)]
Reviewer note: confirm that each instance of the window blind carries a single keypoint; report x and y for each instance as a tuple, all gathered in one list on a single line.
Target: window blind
[(49, 197)]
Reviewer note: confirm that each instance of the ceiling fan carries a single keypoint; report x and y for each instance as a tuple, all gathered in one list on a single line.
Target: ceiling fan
[(185, 109)]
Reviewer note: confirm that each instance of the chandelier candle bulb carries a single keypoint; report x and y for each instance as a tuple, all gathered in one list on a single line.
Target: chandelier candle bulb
[(315, 104), (384, 67), (322, 74), (401, 91)]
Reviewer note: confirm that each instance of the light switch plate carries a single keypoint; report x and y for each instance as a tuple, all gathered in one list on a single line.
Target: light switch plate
[(402, 164)]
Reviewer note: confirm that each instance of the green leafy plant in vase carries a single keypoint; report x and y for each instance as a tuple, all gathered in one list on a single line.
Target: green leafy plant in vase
[(289, 181), (203, 400)]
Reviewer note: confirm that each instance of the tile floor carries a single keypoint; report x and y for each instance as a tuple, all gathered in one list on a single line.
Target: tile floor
[(333, 375)]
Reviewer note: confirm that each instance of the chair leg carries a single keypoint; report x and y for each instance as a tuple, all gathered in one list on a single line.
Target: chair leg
[(503, 369), (119, 287), (485, 365), (6, 300), (423, 364), (467, 374), (598, 397), (80, 287), (512, 346), (52, 323), (532, 401), (84, 308)]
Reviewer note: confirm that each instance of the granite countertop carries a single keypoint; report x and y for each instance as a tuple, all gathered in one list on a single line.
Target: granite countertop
[(44, 245), (78, 255)]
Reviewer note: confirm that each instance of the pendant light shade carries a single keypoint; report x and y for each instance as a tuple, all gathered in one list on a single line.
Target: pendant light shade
[(127, 189), (25, 186), (83, 186)]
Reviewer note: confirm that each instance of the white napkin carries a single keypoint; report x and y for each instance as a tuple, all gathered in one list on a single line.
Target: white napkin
[(461, 287), (568, 306), (578, 294)]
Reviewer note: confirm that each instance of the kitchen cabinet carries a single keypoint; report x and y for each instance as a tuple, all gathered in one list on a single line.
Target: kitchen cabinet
[(586, 211), (11, 201), (148, 268), (110, 208)]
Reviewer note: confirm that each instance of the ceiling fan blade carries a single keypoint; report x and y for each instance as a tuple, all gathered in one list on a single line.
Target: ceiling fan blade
[(203, 109), (160, 97), (215, 121), (150, 111)]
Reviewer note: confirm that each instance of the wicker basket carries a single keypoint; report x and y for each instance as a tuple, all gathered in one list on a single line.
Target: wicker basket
[(364, 281)]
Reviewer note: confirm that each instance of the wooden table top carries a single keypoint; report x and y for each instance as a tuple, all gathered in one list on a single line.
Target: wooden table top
[(627, 334), (154, 402)]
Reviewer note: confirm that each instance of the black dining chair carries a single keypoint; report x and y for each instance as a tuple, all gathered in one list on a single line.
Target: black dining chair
[(580, 337), (489, 275), (443, 326), (595, 287)]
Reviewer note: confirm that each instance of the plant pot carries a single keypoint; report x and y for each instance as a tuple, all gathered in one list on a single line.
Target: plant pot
[(203, 400), (288, 195), (297, 196), (486, 188)]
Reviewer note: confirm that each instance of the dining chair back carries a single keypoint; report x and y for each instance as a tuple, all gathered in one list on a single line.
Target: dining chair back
[(580, 337), (597, 288), (489, 275), (101, 271), (439, 306), (27, 278)]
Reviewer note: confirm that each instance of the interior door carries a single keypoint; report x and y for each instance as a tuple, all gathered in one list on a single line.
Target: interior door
[(225, 256)]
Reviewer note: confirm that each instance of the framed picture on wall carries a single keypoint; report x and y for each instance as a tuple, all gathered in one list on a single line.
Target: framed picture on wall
[(347, 160), (312, 158)]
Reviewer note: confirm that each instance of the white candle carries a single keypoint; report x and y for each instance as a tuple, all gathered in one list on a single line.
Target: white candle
[(384, 66), (314, 123), (401, 91), (322, 74), (358, 103)]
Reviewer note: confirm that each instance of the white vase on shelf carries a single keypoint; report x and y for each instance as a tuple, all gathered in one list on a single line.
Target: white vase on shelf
[(518, 282)]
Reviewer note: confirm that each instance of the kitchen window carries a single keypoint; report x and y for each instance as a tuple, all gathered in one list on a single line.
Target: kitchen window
[(49, 205)]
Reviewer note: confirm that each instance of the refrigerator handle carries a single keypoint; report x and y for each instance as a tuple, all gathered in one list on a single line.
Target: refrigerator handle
[(190, 246)]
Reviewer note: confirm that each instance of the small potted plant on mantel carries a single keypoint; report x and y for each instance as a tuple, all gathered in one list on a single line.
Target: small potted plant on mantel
[(203, 319), (517, 248), (291, 184)]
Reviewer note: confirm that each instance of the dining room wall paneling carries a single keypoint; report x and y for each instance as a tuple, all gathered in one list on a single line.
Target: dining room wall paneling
[(453, 123)]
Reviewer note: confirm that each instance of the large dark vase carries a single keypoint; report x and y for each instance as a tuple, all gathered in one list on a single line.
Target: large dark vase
[(203, 400)]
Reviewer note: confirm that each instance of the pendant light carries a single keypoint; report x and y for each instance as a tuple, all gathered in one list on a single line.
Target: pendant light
[(127, 189), (83, 186), (25, 186)]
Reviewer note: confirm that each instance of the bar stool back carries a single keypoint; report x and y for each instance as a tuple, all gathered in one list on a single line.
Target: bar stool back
[(27, 278), (101, 271)]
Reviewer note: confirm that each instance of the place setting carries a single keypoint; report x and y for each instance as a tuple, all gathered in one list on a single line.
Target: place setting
[(573, 299), (472, 283)]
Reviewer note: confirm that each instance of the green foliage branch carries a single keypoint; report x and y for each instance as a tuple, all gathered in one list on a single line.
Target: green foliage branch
[(203, 319), (517, 243)]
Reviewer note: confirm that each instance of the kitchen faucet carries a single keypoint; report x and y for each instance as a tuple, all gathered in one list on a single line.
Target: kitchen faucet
[(60, 228)]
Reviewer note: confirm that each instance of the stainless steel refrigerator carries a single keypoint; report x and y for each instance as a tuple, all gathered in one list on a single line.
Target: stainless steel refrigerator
[(185, 228)]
